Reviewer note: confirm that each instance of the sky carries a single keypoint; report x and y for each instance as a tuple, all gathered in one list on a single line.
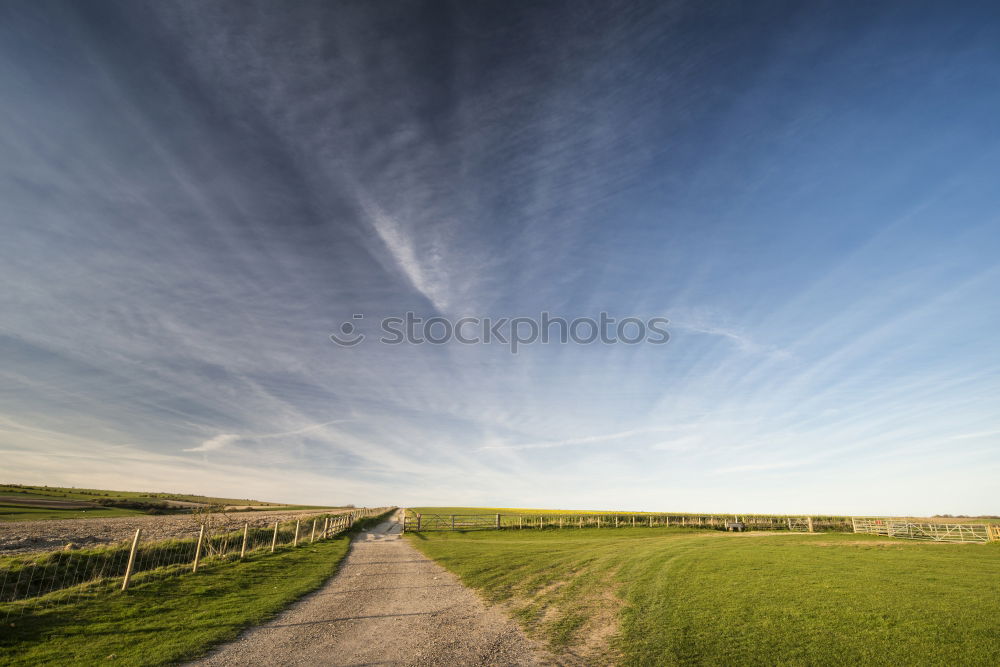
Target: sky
[(195, 195)]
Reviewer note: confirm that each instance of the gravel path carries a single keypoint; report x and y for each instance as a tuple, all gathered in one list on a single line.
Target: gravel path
[(388, 605), (27, 536)]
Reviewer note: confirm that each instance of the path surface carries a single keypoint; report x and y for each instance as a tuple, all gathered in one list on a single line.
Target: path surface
[(388, 605)]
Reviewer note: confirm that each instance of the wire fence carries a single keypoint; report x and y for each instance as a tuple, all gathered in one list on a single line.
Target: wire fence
[(37, 580), (414, 521)]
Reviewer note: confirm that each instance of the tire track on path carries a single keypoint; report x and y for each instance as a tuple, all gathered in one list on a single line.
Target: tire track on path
[(387, 605)]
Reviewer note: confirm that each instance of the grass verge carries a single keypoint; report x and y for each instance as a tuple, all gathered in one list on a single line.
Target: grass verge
[(166, 620), (681, 597)]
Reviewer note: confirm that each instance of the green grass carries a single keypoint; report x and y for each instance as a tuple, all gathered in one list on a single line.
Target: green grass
[(164, 620), (9, 512), (680, 597)]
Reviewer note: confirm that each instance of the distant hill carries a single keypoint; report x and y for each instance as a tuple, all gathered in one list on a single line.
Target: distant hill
[(23, 502)]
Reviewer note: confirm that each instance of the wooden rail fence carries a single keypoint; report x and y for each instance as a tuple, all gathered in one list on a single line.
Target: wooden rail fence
[(498, 521), (890, 527)]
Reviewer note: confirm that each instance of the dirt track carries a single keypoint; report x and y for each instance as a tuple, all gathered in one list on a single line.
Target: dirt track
[(388, 605), (27, 536)]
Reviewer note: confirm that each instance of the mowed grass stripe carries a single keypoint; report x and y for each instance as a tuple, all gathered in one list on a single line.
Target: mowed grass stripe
[(675, 596)]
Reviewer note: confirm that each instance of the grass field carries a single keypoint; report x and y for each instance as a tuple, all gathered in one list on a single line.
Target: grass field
[(161, 620), (12, 512), (20, 502), (678, 596)]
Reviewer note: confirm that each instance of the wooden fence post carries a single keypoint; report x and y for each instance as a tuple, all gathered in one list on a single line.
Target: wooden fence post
[(854, 525), (274, 539), (633, 521), (131, 559), (520, 522), (295, 540), (418, 522), (539, 523), (650, 520), (246, 531), (560, 522), (453, 522), (326, 528), (581, 521), (809, 520), (312, 536), (197, 551), (498, 522)]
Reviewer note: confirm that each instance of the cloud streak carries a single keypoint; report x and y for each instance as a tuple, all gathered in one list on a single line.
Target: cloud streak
[(193, 197)]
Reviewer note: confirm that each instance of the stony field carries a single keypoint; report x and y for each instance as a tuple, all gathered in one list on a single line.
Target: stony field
[(26, 536)]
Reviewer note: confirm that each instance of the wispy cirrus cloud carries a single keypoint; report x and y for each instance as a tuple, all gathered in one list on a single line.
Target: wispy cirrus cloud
[(194, 196), (408, 258), (223, 440)]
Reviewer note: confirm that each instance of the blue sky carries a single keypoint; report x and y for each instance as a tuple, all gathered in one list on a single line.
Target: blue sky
[(195, 195)]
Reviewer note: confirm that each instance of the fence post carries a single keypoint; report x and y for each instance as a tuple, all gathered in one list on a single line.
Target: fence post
[(295, 540), (854, 525), (418, 522), (520, 522), (498, 522), (539, 523), (581, 521), (312, 536), (560, 523), (326, 527), (453, 522), (197, 551), (131, 559), (274, 539), (246, 530), (809, 520)]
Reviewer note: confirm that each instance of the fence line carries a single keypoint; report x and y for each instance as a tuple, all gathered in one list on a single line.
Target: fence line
[(891, 527), (42, 579), (413, 521), (934, 532)]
